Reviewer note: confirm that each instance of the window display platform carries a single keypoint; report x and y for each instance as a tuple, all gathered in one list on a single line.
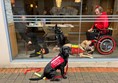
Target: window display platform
[(52, 53)]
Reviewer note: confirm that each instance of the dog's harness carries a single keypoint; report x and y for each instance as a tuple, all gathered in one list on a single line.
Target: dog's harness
[(56, 61), (54, 64), (75, 49)]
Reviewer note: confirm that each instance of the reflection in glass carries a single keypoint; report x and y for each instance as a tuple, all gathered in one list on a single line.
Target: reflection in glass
[(32, 24)]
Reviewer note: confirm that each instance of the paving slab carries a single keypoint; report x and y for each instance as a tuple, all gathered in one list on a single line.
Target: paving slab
[(73, 76)]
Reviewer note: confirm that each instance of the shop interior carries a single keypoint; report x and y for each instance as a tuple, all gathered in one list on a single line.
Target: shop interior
[(40, 18)]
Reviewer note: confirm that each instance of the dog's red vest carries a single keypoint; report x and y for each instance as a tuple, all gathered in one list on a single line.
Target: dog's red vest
[(75, 49), (56, 61)]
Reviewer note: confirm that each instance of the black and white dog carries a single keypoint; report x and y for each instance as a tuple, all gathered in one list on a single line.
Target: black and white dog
[(58, 62)]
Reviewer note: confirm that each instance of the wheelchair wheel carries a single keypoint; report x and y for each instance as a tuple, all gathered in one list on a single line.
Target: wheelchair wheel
[(106, 45)]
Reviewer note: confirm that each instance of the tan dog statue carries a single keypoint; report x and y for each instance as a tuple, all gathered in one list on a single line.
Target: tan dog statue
[(85, 49)]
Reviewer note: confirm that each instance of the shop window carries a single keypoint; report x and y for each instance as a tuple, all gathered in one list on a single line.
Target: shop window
[(35, 27), (39, 27)]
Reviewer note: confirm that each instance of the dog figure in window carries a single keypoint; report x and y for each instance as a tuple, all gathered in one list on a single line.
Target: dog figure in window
[(58, 62), (84, 49)]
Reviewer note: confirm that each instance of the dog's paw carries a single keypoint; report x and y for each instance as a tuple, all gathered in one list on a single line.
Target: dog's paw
[(64, 77)]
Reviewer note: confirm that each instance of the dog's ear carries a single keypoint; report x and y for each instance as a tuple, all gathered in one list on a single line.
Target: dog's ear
[(61, 50), (68, 48)]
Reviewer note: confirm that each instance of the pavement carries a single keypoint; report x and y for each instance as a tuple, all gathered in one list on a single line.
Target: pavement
[(74, 75)]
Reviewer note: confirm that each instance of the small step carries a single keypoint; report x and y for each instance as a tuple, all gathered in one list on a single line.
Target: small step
[(77, 33)]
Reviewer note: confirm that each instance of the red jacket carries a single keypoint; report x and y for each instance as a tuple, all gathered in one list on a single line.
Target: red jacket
[(101, 22)]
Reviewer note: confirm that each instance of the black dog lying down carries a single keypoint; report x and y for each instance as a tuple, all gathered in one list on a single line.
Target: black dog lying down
[(59, 62)]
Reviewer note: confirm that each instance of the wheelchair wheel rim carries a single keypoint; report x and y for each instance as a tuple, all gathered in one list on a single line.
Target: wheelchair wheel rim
[(106, 45)]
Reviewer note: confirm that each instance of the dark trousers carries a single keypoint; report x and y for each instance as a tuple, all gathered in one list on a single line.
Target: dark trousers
[(91, 35)]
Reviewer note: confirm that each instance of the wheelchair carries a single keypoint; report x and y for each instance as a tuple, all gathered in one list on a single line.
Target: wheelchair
[(105, 43)]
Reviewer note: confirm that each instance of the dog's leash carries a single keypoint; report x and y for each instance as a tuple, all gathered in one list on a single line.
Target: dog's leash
[(66, 70), (36, 70), (32, 69)]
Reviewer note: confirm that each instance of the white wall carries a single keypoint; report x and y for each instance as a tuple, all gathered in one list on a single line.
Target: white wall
[(4, 50)]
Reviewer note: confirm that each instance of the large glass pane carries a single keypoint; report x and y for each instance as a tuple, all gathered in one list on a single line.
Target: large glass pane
[(31, 25), (37, 28), (99, 25)]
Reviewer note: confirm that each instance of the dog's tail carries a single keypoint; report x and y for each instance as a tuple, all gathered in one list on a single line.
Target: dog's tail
[(35, 79)]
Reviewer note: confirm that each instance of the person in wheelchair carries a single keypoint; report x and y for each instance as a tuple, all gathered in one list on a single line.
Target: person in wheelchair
[(100, 34), (100, 25)]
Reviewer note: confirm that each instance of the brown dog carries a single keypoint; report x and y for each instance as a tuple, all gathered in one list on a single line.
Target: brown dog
[(85, 49)]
